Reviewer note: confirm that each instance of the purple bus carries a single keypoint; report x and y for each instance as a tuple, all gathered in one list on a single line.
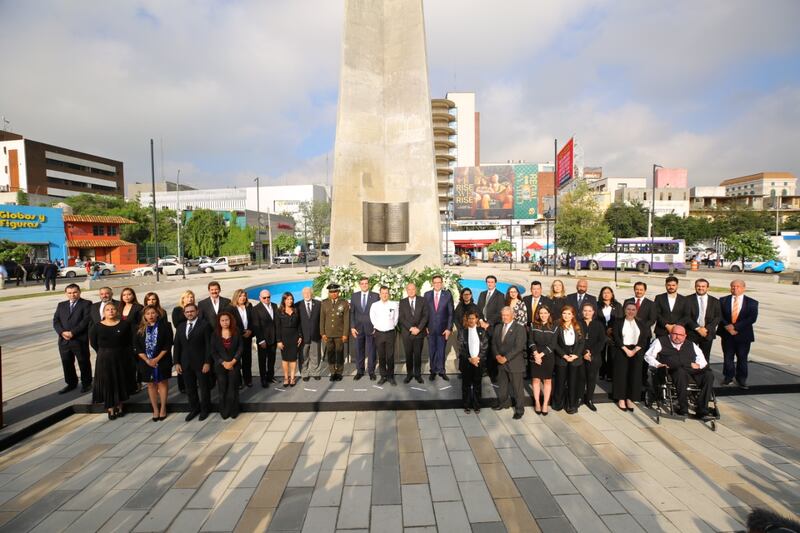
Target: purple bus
[(635, 254)]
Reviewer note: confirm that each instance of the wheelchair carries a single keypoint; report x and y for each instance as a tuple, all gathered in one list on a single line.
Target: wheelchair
[(662, 399)]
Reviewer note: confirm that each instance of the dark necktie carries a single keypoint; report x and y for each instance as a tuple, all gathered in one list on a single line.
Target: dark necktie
[(308, 308), (364, 301), (580, 300), (412, 306), (189, 329), (71, 307)]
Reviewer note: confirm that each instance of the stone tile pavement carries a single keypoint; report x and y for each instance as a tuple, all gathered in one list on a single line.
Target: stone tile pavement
[(435, 470)]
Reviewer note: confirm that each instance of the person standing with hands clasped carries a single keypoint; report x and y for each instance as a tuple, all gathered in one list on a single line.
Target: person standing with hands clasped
[(440, 325), (193, 360), (384, 316), (153, 344), (111, 340), (510, 343), (226, 349), (71, 322), (473, 345), (334, 325), (569, 349), (739, 313)]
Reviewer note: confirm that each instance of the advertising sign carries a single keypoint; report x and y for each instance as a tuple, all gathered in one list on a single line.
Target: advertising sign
[(565, 163), (496, 192)]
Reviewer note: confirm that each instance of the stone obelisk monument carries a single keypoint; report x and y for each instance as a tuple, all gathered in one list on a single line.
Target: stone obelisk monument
[(385, 206)]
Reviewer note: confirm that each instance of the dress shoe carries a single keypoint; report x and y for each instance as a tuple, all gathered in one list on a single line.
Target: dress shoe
[(248, 383), (112, 416), (162, 418), (630, 409), (306, 378), (727, 382), (499, 408), (86, 388), (182, 390), (407, 379), (264, 383), (432, 377), (67, 389), (419, 379), (571, 411), (191, 415), (544, 413), (392, 381), (382, 380), (517, 416), (467, 410), (622, 408), (317, 378), (358, 376), (224, 417), (537, 411), (700, 415), (680, 412), (742, 385), (155, 419), (372, 377), (202, 416), (477, 410), (590, 405), (333, 377), (444, 377)]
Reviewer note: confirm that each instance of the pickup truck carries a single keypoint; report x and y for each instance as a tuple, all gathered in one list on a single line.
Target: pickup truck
[(225, 264)]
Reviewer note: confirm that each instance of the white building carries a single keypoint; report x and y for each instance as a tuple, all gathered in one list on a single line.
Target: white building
[(604, 189), (668, 200)]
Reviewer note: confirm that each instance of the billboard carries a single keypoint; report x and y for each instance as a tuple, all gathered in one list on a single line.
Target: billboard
[(493, 192), (565, 163)]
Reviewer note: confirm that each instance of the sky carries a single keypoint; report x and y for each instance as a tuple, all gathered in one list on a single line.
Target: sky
[(230, 90)]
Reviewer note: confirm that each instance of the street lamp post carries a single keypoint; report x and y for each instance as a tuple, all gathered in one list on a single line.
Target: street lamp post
[(259, 248), (777, 214), (155, 212), (180, 222), (652, 218)]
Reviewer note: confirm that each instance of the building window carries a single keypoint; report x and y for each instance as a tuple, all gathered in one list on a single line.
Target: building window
[(98, 230), (112, 230)]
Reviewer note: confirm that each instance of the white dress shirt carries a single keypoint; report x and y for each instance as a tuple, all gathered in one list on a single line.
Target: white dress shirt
[(607, 312), (215, 305), (384, 315), (630, 333), (474, 342), (655, 349), (190, 326), (243, 314), (671, 301), (569, 336)]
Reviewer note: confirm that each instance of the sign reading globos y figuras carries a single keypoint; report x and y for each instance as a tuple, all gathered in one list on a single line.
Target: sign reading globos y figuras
[(19, 219)]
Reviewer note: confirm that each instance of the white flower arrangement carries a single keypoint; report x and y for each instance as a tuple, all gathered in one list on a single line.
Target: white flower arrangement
[(347, 276)]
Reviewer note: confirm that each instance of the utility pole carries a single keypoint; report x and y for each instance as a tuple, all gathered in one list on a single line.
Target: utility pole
[(555, 208), (180, 222), (155, 211), (652, 218), (259, 248)]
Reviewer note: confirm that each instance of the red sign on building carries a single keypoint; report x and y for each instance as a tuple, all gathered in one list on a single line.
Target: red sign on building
[(565, 163)]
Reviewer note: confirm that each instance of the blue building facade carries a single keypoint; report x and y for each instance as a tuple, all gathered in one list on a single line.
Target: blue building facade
[(40, 227)]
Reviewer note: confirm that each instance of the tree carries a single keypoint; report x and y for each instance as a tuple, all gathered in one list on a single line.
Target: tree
[(315, 221), (626, 220), (239, 240), (204, 233), (284, 242), (737, 219), (502, 247), (12, 251), (752, 245), (792, 223), (581, 228), (22, 198)]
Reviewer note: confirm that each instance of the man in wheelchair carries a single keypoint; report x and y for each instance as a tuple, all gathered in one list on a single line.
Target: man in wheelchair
[(683, 361)]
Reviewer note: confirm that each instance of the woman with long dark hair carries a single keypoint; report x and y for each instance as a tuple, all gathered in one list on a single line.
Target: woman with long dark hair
[(568, 348), (464, 305), (289, 337), (473, 346), (593, 350), (111, 340), (242, 311), (153, 344), (514, 301), (226, 350), (608, 310), (540, 344), (131, 315)]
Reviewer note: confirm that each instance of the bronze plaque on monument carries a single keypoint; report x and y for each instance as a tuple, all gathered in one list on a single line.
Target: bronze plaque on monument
[(385, 223)]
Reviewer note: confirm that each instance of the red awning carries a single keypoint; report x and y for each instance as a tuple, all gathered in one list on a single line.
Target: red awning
[(534, 246), (475, 243)]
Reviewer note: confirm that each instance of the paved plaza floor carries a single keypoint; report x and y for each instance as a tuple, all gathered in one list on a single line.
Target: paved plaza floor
[(427, 470)]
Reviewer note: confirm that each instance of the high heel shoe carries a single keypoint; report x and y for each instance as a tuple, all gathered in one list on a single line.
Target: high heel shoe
[(537, 411), (112, 416), (292, 382), (285, 383)]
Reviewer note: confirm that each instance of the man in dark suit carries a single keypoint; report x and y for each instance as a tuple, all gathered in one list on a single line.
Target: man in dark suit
[(738, 314), (71, 322), (308, 308), (210, 307), (581, 296), (193, 361), (106, 297), (413, 321), (535, 300), (266, 336), (440, 325), (50, 274), (703, 319), (671, 308), (361, 329), (645, 312), (510, 341), (490, 303)]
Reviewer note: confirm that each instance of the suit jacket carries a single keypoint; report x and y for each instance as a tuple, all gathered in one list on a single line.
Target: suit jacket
[(96, 310), (561, 348), (77, 322), (543, 301), (713, 316), (678, 315), (193, 351), (309, 324), (419, 318), (748, 315), (490, 312), (206, 309), (219, 353), (616, 314), (644, 334), (513, 347), (646, 313), (572, 299), (595, 340), (163, 342), (441, 320), (463, 347), (359, 316), (265, 325), (251, 323)]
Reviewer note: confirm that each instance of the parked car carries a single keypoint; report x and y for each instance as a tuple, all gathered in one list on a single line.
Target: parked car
[(286, 259), (326, 249), (312, 256), (225, 264), (198, 260), (169, 268), (451, 259), (767, 267), (79, 269)]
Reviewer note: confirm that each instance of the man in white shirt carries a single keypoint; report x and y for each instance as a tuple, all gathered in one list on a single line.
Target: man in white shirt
[(684, 361), (384, 315)]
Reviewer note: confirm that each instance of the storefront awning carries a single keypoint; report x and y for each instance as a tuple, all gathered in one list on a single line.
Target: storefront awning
[(535, 246), (97, 243), (475, 243)]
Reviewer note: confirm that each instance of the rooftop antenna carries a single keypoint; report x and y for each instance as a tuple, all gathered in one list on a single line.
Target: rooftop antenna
[(5, 123)]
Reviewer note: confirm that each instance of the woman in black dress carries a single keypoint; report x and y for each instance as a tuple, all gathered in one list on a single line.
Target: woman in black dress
[(289, 339), (131, 311), (153, 344), (226, 350), (111, 340), (558, 295), (473, 347), (608, 310), (465, 304), (569, 350), (593, 350), (242, 311), (540, 344), (178, 318)]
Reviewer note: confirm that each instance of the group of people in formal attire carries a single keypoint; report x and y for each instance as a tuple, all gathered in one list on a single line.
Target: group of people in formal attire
[(562, 342)]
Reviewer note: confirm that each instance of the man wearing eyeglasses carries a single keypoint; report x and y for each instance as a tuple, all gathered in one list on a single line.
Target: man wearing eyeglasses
[(684, 361), (265, 312)]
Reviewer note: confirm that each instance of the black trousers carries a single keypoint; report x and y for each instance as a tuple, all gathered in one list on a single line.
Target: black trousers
[(413, 348), (681, 377), (568, 385), (247, 360), (627, 376), (266, 362), (733, 349), (384, 346), (334, 352), (48, 282), (491, 363), (69, 353), (607, 361), (471, 377), (590, 372), (513, 381), (197, 391), (228, 390)]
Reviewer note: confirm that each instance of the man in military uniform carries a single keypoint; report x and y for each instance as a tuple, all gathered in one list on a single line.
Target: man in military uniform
[(334, 325)]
